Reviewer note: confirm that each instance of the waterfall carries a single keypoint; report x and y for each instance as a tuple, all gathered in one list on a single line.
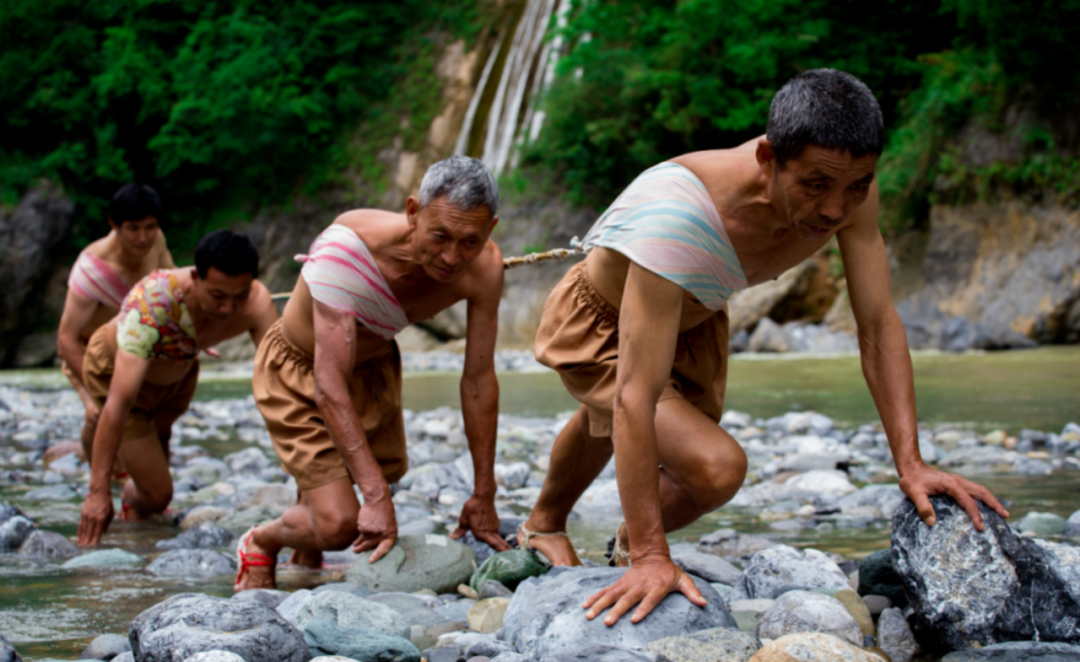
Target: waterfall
[(528, 65)]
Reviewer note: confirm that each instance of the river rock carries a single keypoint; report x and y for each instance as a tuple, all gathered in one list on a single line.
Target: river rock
[(14, 532), (47, 544), (417, 562), (812, 647), (492, 648), (206, 535), (509, 568), (707, 566), (886, 498), (1072, 525), (821, 483), (52, 493), (604, 653), (486, 616), (493, 589), (124, 657), (325, 637), (104, 558), (191, 563), (352, 613), (971, 589), (1019, 651), (290, 606), (878, 577), (1041, 524), (747, 613), (857, 608), (803, 611), (545, 615), (7, 511), (200, 515), (239, 522), (715, 645), (190, 623), (779, 569), (106, 647), (729, 543), (894, 636), (264, 597), (215, 656), (7, 651)]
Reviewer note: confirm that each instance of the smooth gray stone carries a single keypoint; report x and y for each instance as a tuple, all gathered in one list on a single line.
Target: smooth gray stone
[(803, 611), (106, 647), (417, 562), (352, 613), (206, 536), (511, 656), (354, 588), (191, 623), (264, 597), (456, 611), (707, 566), (1041, 524), (894, 636), (7, 511), (47, 544), (605, 653), (878, 577), (215, 656), (492, 588), (545, 617), (325, 637), (7, 651), (290, 606), (14, 532), (777, 570), (191, 563), (490, 648), (124, 657), (239, 522), (716, 645), (1072, 525), (104, 558), (52, 493), (1019, 651)]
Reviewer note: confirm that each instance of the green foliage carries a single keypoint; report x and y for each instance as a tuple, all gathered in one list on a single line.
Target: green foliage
[(220, 105)]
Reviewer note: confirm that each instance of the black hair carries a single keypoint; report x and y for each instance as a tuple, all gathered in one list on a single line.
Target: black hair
[(229, 252), (828, 108), (134, 202)]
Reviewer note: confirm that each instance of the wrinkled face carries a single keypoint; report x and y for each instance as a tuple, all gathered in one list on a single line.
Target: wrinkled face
[(219, 294), (446, 239), (820, 189), (137, 237)]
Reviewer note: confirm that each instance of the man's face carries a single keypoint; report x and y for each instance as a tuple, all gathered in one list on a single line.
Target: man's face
[(821, 188), (447, 239), (137, 237), (219, 294)]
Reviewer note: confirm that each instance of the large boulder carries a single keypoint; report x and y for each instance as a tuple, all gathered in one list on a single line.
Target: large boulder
[(414, 563), (803, 611), (777, 570), (191, 563), (352, 612), (878, 577), (970, 589), (14, 532), (328, 638), (190, 623), (106, 647), (545, 617), (47, 544), (1019, 651), (104, 558)]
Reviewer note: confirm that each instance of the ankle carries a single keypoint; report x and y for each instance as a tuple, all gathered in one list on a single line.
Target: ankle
[(537, 523)]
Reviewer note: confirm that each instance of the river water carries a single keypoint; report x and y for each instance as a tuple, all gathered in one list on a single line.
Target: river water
[(53, 613)]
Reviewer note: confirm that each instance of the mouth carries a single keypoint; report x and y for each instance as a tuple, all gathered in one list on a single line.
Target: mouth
[(444, 272), (818, 230)]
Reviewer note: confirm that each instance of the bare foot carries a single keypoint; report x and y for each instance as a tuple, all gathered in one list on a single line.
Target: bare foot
[(308, 559), (256, 565), (557, 548)]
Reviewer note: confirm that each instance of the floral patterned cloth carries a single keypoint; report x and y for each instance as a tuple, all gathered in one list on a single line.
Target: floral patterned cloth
[(155, 322)]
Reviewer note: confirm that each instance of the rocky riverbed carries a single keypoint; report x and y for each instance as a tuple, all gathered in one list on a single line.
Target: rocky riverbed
[(163, 586)]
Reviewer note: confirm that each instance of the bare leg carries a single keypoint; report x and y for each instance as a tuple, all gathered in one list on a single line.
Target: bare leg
[(306, 558), (324, 520), (576, 460), (149, 488)]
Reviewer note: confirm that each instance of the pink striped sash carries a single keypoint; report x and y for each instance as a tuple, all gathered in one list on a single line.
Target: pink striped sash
[(341, 273), (94, 279)]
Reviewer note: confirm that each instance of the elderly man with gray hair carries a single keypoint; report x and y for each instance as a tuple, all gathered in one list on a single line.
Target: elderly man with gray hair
[(328, 374)]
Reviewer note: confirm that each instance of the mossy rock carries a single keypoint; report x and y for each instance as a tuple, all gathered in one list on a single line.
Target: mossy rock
[(511, 568)]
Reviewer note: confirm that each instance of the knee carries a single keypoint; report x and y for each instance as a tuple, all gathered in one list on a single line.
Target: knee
[(336, 531), (156, 500), (719, 477)]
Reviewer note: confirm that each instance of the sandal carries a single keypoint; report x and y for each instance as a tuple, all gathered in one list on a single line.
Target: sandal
[(527, 536), (249, 559), (616, 555)]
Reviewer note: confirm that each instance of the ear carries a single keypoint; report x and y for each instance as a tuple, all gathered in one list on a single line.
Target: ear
[(494, 222), (412, 210), (766, 158), (194, 275), (113, 225)]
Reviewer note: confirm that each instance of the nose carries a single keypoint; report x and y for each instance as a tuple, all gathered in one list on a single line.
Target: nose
[(833, 207), (451, 256), (226, 308)]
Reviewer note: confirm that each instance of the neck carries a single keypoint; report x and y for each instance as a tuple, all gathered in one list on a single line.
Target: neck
[(124, 257), (401, 256)]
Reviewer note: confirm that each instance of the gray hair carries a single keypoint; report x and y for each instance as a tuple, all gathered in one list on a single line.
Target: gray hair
[(465, 181)]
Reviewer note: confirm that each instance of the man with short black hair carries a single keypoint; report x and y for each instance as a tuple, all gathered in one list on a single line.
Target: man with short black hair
[(142, 368), (101, 278), (639, 331), (328, 376)]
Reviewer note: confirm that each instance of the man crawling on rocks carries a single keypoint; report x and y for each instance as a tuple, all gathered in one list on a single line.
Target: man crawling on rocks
[(638, 331), (328, 378), (142, 367)]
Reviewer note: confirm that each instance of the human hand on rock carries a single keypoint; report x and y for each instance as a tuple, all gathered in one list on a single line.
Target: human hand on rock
[(378, 528), (479, 516), (97, 513), (923, 482), (648, 581)]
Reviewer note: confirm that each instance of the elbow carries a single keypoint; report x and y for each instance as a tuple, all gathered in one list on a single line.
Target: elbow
[(632, 403)]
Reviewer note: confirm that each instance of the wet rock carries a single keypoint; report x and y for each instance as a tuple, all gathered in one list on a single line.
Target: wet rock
[(47, 544), (811, 647), (7, 511), (239, 522), (747, 613), (14, 532), (7, 651), (326, 637), (52, 493), (1072, 525), (290, 606), (106, 647), (105, 558), (486, 616), (876, 603), (894, 636), (204, 536), (191, 563), (489, 649), (604, 653), (493, 589), (707, 566), (715, 645), (456, 611), (886, 498), (803, 611), (352, 613), (780, 569), (124, 657), (247, 461), (821, 482), (215, 656), (878, 577), (1019, 651), (264, 597), (414, 609), (729, 543), (971, 589), (509, 568), (545, 617), (190, 623), (417, 562), (354, 588), (1041, 524), (857, 608)]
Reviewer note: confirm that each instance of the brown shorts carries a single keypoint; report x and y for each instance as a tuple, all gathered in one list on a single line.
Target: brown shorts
[(284, 387), (156, 407), (579, 338)]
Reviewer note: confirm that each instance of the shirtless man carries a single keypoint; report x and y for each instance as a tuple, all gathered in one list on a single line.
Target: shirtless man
[(142, 367), (328, 378), (639, 332), (102, 277)]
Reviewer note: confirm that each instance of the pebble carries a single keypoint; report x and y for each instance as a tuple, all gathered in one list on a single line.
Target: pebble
[(105, 558), (486, 616)]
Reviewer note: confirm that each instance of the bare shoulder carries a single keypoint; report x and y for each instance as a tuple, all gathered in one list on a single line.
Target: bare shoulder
[(99, 247), (258, 300), (362, 221), (485, 274), (864, 220)]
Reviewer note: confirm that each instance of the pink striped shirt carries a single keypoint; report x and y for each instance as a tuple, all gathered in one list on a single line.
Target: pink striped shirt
[(93, 278)]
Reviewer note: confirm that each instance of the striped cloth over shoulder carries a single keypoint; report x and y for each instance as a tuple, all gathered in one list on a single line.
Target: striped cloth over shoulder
[(94, 279), (341, 273), (666, 222)]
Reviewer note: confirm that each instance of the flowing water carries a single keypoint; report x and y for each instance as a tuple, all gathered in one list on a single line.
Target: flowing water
[(50, 612)]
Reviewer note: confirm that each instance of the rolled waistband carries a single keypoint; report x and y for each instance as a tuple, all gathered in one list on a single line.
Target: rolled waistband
[(589, 297), (276, 337)]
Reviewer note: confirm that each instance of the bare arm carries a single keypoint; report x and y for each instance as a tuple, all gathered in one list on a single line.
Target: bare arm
[(648, 331), (886, 365), (480, 409), (78, 312), (335, 356), (97, 511), (165, 260), (264, 312)]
